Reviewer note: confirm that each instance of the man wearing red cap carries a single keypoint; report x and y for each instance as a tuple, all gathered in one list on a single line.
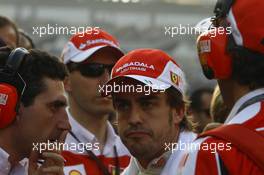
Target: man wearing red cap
[(237, 62), (148, 89), (94, 147)]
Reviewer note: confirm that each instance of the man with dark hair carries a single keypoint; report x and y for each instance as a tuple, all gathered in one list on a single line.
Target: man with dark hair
[(8, 32), (40, 118), (199, 109), (236, 60), (25, 40), (148, 90)]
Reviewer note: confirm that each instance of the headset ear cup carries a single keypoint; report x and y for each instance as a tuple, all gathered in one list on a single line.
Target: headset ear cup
[(8, 102), (214, 58)]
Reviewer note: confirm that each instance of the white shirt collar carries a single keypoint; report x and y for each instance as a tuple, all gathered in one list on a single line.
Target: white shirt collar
[(159, 165), (4, 163), (86, 136), (241, 101), (5, 166)]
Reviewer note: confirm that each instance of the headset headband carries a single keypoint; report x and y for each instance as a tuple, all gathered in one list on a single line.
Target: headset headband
[(15, 59), (9, 74)]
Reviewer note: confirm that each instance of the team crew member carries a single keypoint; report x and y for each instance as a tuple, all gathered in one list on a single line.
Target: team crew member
[(25, 40), (8, 32), (199, 109), (90, 58), (151, 113), (239, 143), (31, 82)]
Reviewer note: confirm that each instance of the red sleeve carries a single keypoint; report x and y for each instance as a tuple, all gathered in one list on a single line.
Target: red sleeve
[(215, 156)]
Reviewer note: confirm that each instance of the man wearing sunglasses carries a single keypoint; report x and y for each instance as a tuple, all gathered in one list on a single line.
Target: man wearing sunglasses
[(89, 58), (236, 61)]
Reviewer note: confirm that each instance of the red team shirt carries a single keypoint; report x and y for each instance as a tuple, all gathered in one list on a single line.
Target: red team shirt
[(204, 162)]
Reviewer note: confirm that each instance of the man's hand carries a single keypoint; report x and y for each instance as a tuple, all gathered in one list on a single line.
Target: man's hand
[(53, 162)]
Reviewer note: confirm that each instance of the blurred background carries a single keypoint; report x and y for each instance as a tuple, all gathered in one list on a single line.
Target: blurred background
[(135, 23)]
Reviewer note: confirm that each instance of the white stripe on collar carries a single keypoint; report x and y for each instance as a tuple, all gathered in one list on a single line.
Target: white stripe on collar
[(241, 101)]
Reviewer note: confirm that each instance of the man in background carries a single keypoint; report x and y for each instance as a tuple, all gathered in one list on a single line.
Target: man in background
[(8, 32), (199, 109), (25, 40), (89, 58)]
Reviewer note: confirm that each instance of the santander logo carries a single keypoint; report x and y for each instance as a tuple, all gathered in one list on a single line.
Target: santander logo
[(140, 65), (96, 41)]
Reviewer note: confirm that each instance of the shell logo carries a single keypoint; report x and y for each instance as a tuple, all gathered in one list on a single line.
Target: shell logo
[(75, 172)]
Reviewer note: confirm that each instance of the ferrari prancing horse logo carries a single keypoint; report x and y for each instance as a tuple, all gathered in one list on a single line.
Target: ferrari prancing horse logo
[(176, 79)]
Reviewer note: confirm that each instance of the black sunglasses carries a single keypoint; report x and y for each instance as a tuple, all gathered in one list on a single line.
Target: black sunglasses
[(94, 69)]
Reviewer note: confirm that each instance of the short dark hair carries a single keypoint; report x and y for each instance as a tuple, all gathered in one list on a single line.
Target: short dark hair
[(176, 100), (195, 98), (4, 21), (36, 66), (26, 36), (248, 68)]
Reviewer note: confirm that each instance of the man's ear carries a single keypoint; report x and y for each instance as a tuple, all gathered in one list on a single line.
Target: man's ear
[(67, 84), (177, 115)]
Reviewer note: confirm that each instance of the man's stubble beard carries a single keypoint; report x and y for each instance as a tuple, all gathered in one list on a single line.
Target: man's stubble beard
[(152, 150)]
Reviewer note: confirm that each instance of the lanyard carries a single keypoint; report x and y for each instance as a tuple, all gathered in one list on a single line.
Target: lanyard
[(99, 163)]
